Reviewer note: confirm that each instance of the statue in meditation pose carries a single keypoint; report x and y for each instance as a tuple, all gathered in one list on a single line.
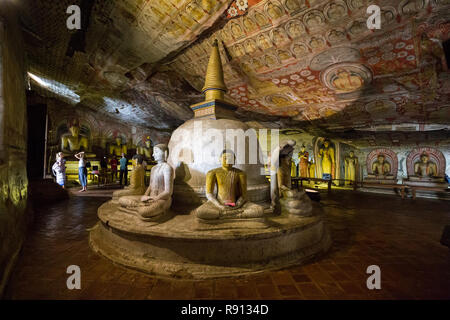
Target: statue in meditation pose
[(292, 201), (137, 180), (118, 148), (381, 167), (424, 168), (73, 141), (157, 200), (231, 199), (146, 150)]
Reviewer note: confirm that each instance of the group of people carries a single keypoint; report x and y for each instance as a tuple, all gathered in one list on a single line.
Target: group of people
[(114, 162), (59, 169)]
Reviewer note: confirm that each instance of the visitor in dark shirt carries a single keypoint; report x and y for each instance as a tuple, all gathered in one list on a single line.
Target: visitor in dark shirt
[(113, 164)]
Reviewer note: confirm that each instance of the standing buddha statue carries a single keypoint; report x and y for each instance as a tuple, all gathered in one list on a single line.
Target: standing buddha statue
[(328, 161), (303, 157), (351, 165)]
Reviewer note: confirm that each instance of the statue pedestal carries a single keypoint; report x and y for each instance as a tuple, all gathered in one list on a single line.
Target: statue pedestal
[(381, 180), (181, 247), (425, 182)]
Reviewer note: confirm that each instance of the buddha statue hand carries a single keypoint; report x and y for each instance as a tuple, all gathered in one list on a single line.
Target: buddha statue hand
[(145, 198), (230, 213), (241, 201), (211, 211)]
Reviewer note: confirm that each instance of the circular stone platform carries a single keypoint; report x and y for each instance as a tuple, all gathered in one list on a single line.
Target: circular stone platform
[(182, 247)]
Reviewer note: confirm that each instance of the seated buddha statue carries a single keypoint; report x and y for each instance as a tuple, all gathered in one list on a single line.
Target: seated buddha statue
[(118, 148), (157, 200), (74, 142), (231, 199), (291, 201), (381, 168), (146, 150), (137, 180), (424, 168)]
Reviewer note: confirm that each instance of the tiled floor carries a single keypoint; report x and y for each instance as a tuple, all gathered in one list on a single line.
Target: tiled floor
[(400, 236)]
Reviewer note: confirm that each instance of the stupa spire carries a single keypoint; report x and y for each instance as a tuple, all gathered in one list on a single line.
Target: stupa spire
[(214, 87)]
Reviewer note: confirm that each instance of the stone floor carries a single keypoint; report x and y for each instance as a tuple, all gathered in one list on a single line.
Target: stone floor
[(400, 236)]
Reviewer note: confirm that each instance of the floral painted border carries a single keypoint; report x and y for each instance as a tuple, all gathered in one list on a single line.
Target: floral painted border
[(240, 7)]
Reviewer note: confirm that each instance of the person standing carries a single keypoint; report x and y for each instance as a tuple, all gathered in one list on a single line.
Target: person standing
[(104, 169), (59, 169), (113, 164), (82, 171), (123, 170)]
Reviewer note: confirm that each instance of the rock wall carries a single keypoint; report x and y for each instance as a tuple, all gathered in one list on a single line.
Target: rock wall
[(14, 216)]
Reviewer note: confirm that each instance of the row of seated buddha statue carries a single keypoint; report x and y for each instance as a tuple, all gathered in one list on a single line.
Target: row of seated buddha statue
[(228, 203), (423, 167), (74, 141)]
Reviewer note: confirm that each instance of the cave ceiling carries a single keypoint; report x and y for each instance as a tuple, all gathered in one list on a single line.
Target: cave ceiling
[(307, 64)]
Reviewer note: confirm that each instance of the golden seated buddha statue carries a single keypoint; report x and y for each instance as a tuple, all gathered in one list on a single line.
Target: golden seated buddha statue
[(231, 200)]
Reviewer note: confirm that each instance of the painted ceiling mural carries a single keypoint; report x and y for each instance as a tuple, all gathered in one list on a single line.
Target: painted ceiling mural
[(307, 63)]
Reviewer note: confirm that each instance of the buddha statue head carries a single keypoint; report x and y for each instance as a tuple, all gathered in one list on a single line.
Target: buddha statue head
[(352, 154), (160, 152), (148, 142), (424, 158), (74, 128), (380, 158), (326, 143), (118, 141), (138, 159), (227, 158), (302, 148)]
